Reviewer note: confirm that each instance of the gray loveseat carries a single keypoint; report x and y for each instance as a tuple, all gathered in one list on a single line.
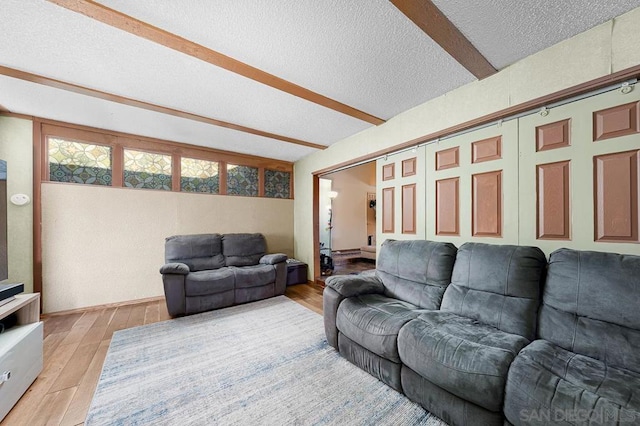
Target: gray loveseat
[(210, 271)]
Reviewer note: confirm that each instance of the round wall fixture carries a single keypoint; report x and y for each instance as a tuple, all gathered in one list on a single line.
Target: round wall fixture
[(20, 199)]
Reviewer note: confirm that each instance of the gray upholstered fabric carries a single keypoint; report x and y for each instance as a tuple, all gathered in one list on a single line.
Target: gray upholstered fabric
[(385, 370), (196, 279), (254, 275), (591, 306), (461, 355), (174, 268), (272, 259), (243, 249), (416, 271), (281, 278), (373, 321), (498, 285), (550, 385), (209, 282), (331, 299), (197, 304), (337, 288), (447, 406), (354, 285), (174, 294), (616, 345), (251, 294), (198, 252)]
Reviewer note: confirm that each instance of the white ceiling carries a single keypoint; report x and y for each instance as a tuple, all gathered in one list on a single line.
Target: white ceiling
[(505, 31), (365, 54)]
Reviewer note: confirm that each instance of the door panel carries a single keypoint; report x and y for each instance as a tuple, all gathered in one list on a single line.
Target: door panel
[(579, 175), (403, 213), (472, 186)]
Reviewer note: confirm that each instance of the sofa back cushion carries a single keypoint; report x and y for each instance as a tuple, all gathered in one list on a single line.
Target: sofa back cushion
[(498, 285), (243, 249), (416, 271), (198, 252), (591, 306)]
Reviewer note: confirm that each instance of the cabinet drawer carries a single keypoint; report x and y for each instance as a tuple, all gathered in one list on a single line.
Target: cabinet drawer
[(21, 356)]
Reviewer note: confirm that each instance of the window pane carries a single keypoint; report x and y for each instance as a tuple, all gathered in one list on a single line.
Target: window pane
[(79, 162), (147, 170), (242, 180), (277, 184), (199, 176)]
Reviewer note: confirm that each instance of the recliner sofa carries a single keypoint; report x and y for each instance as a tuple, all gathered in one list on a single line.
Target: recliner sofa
[(363, 315), (585, 366), (461, 354), (474, 358), (210, 271)]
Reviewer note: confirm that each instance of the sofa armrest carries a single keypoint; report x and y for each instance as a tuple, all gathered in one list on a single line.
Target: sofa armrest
[(272, 259), (174, 268), (355, 285)]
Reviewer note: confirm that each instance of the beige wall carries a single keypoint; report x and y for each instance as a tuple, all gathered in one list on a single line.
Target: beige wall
[(610, 47), (351, 205), (16, 148), (105, 245)]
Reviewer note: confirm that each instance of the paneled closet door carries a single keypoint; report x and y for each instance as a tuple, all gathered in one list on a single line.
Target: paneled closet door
[(472, 186), (579, 175), (400, 201)]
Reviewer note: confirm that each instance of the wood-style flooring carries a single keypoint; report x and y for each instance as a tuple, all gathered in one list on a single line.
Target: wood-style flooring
[(347, 267), (75, 346)]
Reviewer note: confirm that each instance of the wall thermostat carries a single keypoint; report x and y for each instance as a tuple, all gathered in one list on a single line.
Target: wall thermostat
[(20, 199)]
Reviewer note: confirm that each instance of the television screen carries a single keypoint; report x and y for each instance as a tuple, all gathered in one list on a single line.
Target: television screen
[(4, 267)]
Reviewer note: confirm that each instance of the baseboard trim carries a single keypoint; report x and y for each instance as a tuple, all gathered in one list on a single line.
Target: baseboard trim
[(105, 306)]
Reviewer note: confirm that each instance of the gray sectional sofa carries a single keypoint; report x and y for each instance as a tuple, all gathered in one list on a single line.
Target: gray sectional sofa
[(488, 334), (210, 271), (584, 367)]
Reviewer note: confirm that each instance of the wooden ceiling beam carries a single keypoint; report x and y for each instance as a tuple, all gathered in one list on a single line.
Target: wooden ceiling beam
[(58, 84), (436, 25), (142, 29), (3, 109)]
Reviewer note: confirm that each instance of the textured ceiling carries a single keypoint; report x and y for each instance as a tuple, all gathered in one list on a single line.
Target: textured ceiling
[(58, 104), (365, 54), (505, 31)]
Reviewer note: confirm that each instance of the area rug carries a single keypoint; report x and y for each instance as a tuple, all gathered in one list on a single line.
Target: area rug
[(264, 363)]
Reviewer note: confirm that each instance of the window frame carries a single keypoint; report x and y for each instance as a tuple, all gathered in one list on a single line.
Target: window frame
[(153, 152), (47, 165), (220, 165), (118, 142), (260, 179)]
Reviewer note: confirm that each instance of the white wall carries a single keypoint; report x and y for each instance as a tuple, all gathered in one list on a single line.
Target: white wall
[(104, 245), (16, 148), (323, 215), (351, 205), (607, 48)]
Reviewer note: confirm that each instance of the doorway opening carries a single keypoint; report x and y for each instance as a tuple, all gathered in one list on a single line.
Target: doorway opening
[(347, 221)]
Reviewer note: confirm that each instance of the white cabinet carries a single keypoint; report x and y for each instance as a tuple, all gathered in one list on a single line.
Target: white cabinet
[(20, 350)]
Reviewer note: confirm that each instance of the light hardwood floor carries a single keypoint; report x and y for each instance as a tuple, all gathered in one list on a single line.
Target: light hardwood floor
[(75, 346)]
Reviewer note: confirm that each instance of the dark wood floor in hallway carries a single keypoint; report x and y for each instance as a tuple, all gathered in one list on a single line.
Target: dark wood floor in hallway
[(349, 266)]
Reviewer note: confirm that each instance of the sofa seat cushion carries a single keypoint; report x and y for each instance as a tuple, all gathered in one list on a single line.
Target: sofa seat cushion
[(210, 281), (548, 381), (461, 355), (373, 321), (254, 276)]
